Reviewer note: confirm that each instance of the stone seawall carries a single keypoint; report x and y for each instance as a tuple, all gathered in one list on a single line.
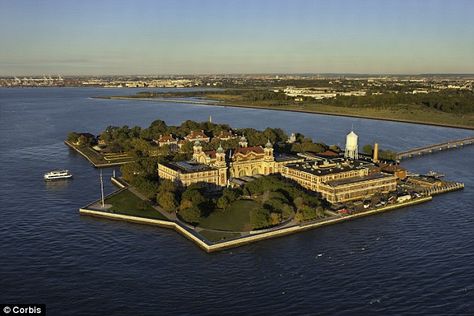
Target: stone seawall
[(208, 247)]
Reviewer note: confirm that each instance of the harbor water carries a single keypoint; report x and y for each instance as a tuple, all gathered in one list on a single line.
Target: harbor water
[(417, 260)]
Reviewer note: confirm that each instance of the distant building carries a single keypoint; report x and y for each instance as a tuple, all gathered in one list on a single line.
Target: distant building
[(243, 141), (197, 136), (291, 139), (166, 140), (226, 135)]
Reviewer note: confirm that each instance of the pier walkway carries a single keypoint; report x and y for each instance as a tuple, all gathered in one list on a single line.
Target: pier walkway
[(435, 148)]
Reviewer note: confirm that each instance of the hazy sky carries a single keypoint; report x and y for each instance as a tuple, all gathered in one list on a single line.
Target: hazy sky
[(223, 36)]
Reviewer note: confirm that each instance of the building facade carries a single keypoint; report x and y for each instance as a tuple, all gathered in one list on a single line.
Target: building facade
[(340, 180), (239, 162), (358, 188), (186, 173)]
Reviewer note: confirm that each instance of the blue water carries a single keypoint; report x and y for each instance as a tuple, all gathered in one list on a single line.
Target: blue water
[(417, 260)]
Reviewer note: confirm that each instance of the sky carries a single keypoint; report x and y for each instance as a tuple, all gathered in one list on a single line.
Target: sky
[(91, 37)]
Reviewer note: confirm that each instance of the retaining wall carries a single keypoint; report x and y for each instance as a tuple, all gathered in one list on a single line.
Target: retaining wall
[(247, 239)]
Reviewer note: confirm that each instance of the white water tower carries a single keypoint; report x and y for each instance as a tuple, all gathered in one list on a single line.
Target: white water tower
[(351, 146)]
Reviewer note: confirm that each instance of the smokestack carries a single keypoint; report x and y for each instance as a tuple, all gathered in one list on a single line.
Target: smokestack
[(376, 153)]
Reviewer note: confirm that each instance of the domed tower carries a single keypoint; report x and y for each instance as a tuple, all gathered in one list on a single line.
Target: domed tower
[(268, 151), (221, 166), (352, 150), (269, 159), (220, 157), (197, 150), (243, 141)]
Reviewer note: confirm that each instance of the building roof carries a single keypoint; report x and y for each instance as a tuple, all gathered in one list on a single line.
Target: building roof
[(196, 134), (286, 157), (211, 153), (166, 138), (328, 153), (225, 134), (187, 166), (246, 150), (392, 168), (374, 176), (321, 170)]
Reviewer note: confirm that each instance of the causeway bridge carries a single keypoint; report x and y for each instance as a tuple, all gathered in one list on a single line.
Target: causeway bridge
[(435, 148)]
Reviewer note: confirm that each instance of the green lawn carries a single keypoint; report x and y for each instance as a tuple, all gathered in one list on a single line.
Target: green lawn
[(218, 236), (235, 218), (99, 159), (127, 203)]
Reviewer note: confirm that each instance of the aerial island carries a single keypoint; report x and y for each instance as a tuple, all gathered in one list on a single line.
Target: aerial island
[(223, 187)]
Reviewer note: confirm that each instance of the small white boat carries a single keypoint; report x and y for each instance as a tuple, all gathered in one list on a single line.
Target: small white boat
[(57, 175)]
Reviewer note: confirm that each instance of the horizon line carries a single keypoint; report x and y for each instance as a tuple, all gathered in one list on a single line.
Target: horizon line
[(246, 73)]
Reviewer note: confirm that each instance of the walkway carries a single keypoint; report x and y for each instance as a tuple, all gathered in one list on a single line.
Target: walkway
[(435, 148)]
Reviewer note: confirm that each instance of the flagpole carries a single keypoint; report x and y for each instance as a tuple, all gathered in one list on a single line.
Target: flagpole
[(102, 189)]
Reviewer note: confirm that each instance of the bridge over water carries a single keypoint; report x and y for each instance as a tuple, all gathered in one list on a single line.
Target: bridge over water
[(435, 148)]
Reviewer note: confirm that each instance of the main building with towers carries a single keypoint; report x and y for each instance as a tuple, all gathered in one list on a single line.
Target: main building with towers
[(338, 179), (216, 167)]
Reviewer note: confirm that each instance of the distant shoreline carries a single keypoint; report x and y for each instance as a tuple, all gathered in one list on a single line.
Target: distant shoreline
[(217, 103)]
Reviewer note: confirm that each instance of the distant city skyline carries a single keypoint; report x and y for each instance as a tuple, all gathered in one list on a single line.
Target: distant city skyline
[(215, 37)]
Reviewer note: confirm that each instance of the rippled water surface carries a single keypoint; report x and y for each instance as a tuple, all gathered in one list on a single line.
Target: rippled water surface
[(417, 260)]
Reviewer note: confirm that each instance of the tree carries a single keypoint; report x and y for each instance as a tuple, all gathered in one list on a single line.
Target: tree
[(72, 137), (335, 148), (367, 149), (228, 196), (191, 214), (116, 147), (223, 202), (146, 186), (259, 218), (167, 186), (167, 200), (194, 196), (131, 170), (287, 212)]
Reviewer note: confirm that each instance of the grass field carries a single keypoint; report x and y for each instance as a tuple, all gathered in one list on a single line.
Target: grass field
[(411, 113), (235, 218), (408, 113), (217, 236), (102, 159), (128, 203)]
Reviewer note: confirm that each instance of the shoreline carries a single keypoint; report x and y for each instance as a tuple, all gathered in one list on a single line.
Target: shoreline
[(217, 103), (241, 241)]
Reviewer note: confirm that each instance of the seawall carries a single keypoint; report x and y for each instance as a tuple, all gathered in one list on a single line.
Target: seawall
[(213, 247)]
